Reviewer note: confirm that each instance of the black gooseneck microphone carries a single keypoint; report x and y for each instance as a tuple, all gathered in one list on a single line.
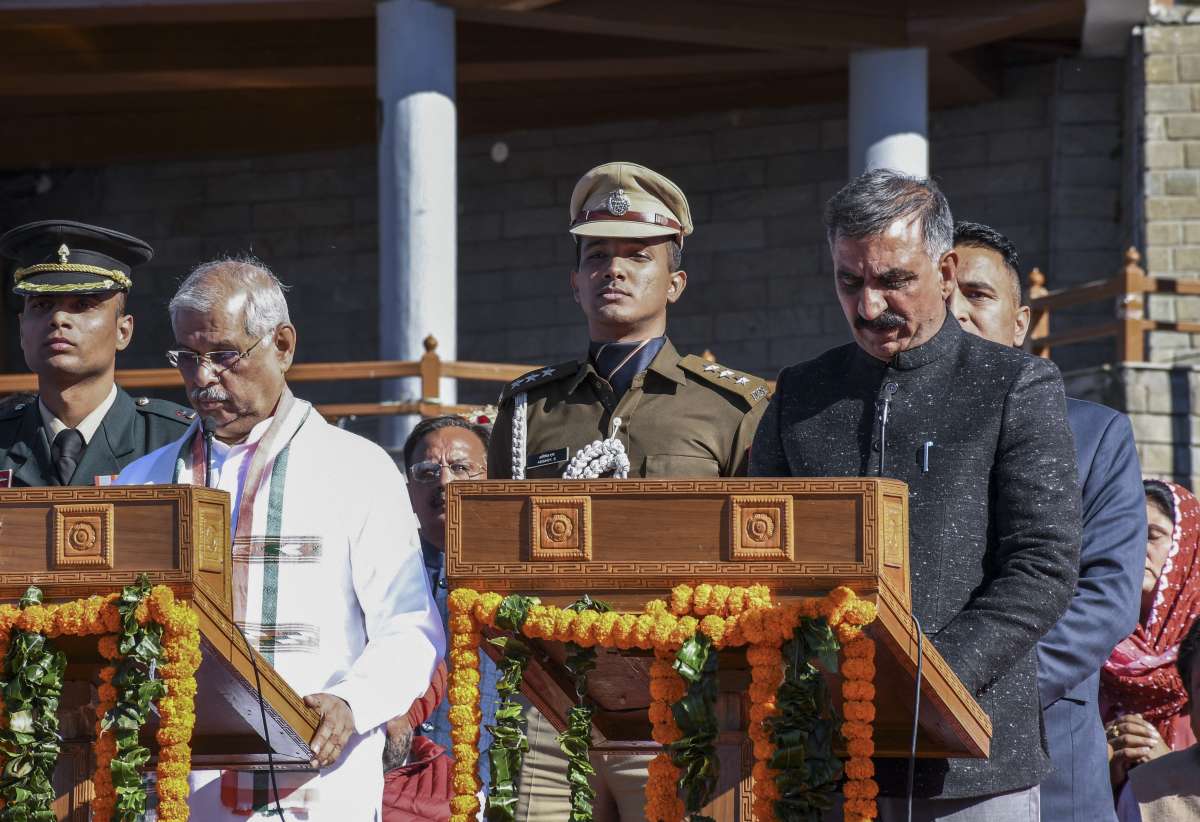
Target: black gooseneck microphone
[(884, 405), (208, 427)]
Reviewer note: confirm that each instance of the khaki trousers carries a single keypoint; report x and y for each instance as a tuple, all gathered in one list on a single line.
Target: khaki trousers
[(545, 796)]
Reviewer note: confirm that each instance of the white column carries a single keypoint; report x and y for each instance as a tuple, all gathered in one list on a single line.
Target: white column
[(889, 111), (417, 191)]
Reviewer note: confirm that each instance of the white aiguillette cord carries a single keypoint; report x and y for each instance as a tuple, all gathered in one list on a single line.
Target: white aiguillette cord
[(601, 457)]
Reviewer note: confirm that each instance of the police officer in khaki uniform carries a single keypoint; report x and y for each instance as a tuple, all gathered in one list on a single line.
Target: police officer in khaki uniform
[(670, 415), (82, 429), (679, 416)]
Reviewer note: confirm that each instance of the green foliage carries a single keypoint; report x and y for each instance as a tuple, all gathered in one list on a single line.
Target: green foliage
[(509, 744), (137, 685), (32, 686), (695, 714), (576, 741), (805, 730), (513, 611)]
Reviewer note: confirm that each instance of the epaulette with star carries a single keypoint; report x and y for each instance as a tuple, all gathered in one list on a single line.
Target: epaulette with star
[(539, 376), (753, 389), (164, 408)]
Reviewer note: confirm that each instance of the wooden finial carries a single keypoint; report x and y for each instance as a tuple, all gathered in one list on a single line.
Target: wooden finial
[(1133, 258), (1037, 284), (708, 356), (430, 344)]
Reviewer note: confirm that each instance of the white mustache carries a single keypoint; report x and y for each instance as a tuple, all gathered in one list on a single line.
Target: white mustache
[(214, 393)]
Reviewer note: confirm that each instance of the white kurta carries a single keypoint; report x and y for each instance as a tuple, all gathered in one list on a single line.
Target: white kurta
[(337, 598)]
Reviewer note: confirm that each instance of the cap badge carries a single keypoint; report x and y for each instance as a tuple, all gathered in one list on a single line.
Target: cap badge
[(618, 203), (63, 253)]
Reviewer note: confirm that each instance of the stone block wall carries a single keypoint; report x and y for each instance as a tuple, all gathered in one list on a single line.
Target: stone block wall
[(1171, 168), (1162, 401)]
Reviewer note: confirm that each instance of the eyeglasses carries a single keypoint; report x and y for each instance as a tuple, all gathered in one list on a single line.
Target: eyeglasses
[(430, 472), (218, 362)]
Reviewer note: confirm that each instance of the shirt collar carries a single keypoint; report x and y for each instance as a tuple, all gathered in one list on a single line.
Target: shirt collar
[(665, 363), (945, 341), (251, 440), (87, 426)]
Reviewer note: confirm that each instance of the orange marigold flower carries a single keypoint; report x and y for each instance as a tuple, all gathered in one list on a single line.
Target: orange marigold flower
[(681, 600)]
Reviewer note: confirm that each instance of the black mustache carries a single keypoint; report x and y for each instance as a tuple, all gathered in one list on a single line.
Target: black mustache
[(887, 321)]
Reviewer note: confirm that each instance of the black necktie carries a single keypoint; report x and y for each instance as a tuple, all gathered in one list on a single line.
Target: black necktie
[(65, 452)]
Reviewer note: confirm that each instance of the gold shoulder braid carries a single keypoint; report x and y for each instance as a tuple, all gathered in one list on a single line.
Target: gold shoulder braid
[(119, 277)]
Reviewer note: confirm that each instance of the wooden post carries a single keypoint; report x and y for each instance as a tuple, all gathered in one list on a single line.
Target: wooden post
[(1040, 318), (431, 372), (1131, 309)]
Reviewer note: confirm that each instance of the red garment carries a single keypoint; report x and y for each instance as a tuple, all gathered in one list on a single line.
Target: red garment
[(424, 707), (421, 790), (1140, 677)]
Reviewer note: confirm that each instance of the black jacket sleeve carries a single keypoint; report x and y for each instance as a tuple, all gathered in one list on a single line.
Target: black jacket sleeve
[(767, 457), (1031, 575)]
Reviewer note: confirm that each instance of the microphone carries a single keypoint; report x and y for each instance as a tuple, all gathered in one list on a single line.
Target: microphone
[(208, 426)]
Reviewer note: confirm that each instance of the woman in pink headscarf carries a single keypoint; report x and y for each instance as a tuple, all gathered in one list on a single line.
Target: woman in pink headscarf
[(1142, 699)]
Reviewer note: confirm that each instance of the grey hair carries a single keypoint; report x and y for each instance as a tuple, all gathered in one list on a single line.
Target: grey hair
[(209, 283), (875, 199)]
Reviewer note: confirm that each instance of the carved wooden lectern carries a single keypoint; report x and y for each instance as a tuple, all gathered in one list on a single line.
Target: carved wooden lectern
[(75, 542), (629, 541)]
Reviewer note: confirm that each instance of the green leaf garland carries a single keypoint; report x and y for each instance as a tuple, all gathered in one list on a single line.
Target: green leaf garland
[(695, 714), (32, 686), (138, 685), (576, 741), (509, 745), (806, 729)]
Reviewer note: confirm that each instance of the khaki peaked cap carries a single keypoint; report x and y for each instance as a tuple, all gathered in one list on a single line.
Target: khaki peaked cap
[(628, 200)]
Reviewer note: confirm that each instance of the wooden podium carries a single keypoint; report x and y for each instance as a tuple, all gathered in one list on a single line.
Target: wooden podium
[(629, 541), (75, 542)]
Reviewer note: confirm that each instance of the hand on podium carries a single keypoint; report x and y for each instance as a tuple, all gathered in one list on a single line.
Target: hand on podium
[(337, 723)]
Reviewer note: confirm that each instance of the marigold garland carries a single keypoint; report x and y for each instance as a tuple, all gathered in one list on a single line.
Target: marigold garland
[(729, 616), (180, 658)]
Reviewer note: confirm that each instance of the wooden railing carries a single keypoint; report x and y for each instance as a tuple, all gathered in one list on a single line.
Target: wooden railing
[(430, 369), (1127, 290)]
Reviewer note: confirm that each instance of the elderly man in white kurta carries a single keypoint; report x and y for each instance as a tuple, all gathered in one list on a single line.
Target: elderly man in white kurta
[(326, 583)]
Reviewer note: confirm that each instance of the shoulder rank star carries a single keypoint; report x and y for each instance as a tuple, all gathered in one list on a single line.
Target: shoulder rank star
[(742, 381), (545, 372), (725, 374), (712, 368)]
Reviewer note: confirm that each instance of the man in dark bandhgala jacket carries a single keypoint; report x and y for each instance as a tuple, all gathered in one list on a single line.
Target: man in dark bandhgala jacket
[(1104, 608), (993, 505)]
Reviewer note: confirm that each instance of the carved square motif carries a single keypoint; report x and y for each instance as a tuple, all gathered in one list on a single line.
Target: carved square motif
[(761, 528), (895, 531), (560, 529), (211, 537), (83, 536)]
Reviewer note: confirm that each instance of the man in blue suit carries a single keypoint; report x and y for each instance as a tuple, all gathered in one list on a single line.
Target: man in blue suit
[(1104, 608)]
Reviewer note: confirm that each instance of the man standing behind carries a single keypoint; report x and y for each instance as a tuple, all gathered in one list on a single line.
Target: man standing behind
[(75, 280), (993, 506), (1104, 608), (327, 581), (678, 416)]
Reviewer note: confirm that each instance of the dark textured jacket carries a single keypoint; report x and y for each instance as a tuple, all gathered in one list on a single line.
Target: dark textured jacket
[(131, 429), (994, 520)]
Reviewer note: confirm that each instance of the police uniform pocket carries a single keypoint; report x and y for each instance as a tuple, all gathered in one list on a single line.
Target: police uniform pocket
[(679, 465)]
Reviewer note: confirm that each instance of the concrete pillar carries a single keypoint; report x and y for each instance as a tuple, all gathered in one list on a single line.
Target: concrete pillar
[(417, 191), (889, 111)]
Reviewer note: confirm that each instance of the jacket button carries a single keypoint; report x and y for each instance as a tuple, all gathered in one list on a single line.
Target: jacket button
[(875, 446)]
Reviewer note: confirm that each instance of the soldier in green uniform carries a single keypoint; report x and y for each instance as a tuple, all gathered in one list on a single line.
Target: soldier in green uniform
[(82, 429), (633, 407)]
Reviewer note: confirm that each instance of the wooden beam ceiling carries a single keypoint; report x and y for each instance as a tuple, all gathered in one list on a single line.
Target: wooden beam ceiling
[(169, 83)]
